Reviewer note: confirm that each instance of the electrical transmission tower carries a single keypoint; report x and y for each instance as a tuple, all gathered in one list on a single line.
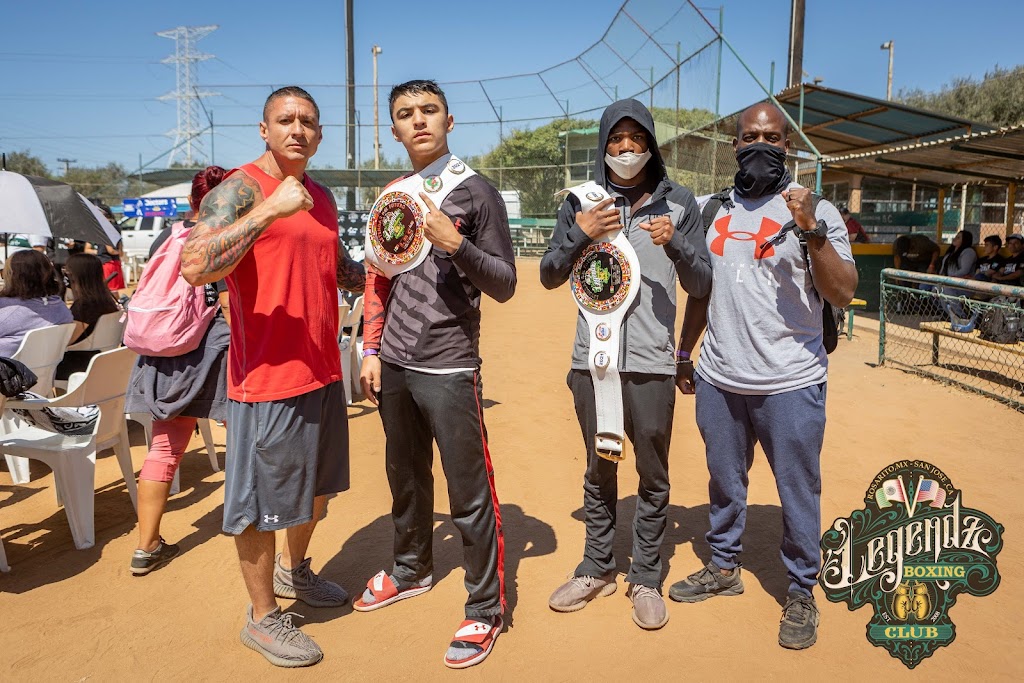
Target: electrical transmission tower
[(186, 91)]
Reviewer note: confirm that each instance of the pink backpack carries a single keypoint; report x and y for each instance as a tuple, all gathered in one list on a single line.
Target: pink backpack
[(167, 316)]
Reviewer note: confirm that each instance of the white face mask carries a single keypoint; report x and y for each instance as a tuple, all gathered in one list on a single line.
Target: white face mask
[(627, 164)]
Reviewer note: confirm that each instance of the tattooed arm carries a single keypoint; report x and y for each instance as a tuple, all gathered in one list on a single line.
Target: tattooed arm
[(351, 274), (231, 218)]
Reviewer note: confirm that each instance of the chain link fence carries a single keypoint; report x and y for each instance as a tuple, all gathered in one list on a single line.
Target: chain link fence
[(959, 332)]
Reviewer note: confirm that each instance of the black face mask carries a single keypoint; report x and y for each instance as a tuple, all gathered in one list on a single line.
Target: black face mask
[(762, 171)]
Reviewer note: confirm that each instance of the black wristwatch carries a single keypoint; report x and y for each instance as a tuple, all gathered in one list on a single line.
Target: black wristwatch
[(820, 230)]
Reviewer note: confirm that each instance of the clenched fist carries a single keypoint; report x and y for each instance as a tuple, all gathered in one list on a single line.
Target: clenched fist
[(289, 198), (660, 228), (800, 203)]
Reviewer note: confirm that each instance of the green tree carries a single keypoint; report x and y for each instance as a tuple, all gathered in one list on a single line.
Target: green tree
[(110, 183), (685, 119), (533, 162), (996, 99), (26, 163)]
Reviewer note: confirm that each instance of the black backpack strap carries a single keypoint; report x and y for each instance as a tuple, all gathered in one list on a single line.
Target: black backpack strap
[(716, 202), (815, 200)]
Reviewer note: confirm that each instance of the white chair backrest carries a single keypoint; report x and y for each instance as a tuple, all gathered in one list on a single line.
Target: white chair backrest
[(342, 316), (355, 315), (106, 335), (42, 349), (105, 384)]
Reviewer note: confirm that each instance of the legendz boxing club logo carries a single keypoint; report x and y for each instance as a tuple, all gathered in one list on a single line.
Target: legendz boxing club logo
[(909, 554)]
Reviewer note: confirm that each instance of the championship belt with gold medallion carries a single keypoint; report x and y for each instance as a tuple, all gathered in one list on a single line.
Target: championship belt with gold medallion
[(395, 241), (605, 281)]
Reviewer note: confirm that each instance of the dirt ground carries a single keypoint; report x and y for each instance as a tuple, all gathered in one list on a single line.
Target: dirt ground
[(68, 615)]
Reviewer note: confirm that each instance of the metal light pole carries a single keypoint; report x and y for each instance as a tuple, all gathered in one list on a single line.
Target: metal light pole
[(889, 45), (350, 102), (375, 50)]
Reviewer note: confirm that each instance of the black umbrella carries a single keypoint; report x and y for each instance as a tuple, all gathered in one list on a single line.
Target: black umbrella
[(37, 206)]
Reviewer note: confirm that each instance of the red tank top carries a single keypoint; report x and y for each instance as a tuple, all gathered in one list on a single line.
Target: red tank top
[(284, 303)]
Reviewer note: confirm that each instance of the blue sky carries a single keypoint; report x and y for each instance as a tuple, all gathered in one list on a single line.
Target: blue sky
[(80, 79)]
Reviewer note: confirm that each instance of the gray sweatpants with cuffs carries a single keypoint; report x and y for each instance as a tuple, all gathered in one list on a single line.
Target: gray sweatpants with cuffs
[(648, 402)]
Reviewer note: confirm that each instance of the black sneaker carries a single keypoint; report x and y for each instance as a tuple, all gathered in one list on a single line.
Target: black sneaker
[(707, 583), (799, 626), (144, 563)]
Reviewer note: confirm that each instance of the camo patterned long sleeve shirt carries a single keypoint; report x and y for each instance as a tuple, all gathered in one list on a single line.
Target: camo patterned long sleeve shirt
[(429, 317)]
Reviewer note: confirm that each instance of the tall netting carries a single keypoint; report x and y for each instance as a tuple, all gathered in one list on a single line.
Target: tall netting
[(534, 133)]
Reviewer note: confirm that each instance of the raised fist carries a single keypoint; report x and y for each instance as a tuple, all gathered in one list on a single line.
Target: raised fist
[(289, 198)]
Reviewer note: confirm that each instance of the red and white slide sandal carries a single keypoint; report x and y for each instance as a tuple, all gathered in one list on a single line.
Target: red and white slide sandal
[(479, 634), (385, 592)]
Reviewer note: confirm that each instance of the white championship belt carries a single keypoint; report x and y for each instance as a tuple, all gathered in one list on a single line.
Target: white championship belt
[(605, 281), (395, 241)]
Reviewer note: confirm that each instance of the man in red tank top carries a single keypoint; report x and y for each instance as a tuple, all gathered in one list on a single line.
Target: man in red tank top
[(272, 232)]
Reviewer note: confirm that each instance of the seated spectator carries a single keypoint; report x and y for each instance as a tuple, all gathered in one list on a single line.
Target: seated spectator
[(109, 256), (84, 275), (853, 227), (959, 261), (961, 258), (1012, 272), (915, 252), (29, 299), (991, 262)]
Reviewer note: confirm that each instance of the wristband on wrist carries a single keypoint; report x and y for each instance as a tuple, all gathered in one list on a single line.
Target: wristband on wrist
[(369, 352), (680, 354)]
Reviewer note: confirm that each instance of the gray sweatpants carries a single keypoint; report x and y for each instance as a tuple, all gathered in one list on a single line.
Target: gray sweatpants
[(791, 428), (648, 402)]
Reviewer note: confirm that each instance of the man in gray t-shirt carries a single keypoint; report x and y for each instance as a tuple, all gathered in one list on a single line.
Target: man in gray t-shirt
[(776, 259)]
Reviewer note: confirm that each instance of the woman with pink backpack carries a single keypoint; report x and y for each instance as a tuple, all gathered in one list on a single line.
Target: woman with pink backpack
[(181, 334)]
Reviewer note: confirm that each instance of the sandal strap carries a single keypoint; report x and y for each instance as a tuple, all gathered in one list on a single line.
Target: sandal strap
[(381, 586), (472, 631)]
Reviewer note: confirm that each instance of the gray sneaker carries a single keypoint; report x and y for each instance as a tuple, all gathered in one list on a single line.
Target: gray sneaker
[(282, 644), (707, 583), (301, 583), (649, 610), (575, 593), (144, 562), (799, 626)]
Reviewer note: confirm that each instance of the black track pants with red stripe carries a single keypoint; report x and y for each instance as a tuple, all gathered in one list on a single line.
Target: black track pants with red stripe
[(416, 409)]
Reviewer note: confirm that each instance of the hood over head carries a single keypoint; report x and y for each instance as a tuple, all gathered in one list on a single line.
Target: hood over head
[(627, 109)]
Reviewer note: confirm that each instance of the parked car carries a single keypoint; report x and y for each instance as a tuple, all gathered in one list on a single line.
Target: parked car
[(138, 234)]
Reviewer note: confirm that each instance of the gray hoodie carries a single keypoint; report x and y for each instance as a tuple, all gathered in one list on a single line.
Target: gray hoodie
[(647, 336)]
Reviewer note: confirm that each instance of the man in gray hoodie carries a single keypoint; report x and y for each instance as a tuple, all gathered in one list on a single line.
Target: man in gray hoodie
[(663, 225)]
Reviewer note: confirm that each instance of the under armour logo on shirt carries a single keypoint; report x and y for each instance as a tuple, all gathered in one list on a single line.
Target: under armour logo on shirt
[(270, 519), (767, 229)]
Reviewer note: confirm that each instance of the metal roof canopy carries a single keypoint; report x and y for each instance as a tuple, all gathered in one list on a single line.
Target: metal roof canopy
[(837, 121), (990, 156)]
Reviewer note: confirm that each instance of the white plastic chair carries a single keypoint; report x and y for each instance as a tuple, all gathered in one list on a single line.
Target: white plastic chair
[(73, 458), (351, 362), (42, 350), (105, 336), (146, 420)]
